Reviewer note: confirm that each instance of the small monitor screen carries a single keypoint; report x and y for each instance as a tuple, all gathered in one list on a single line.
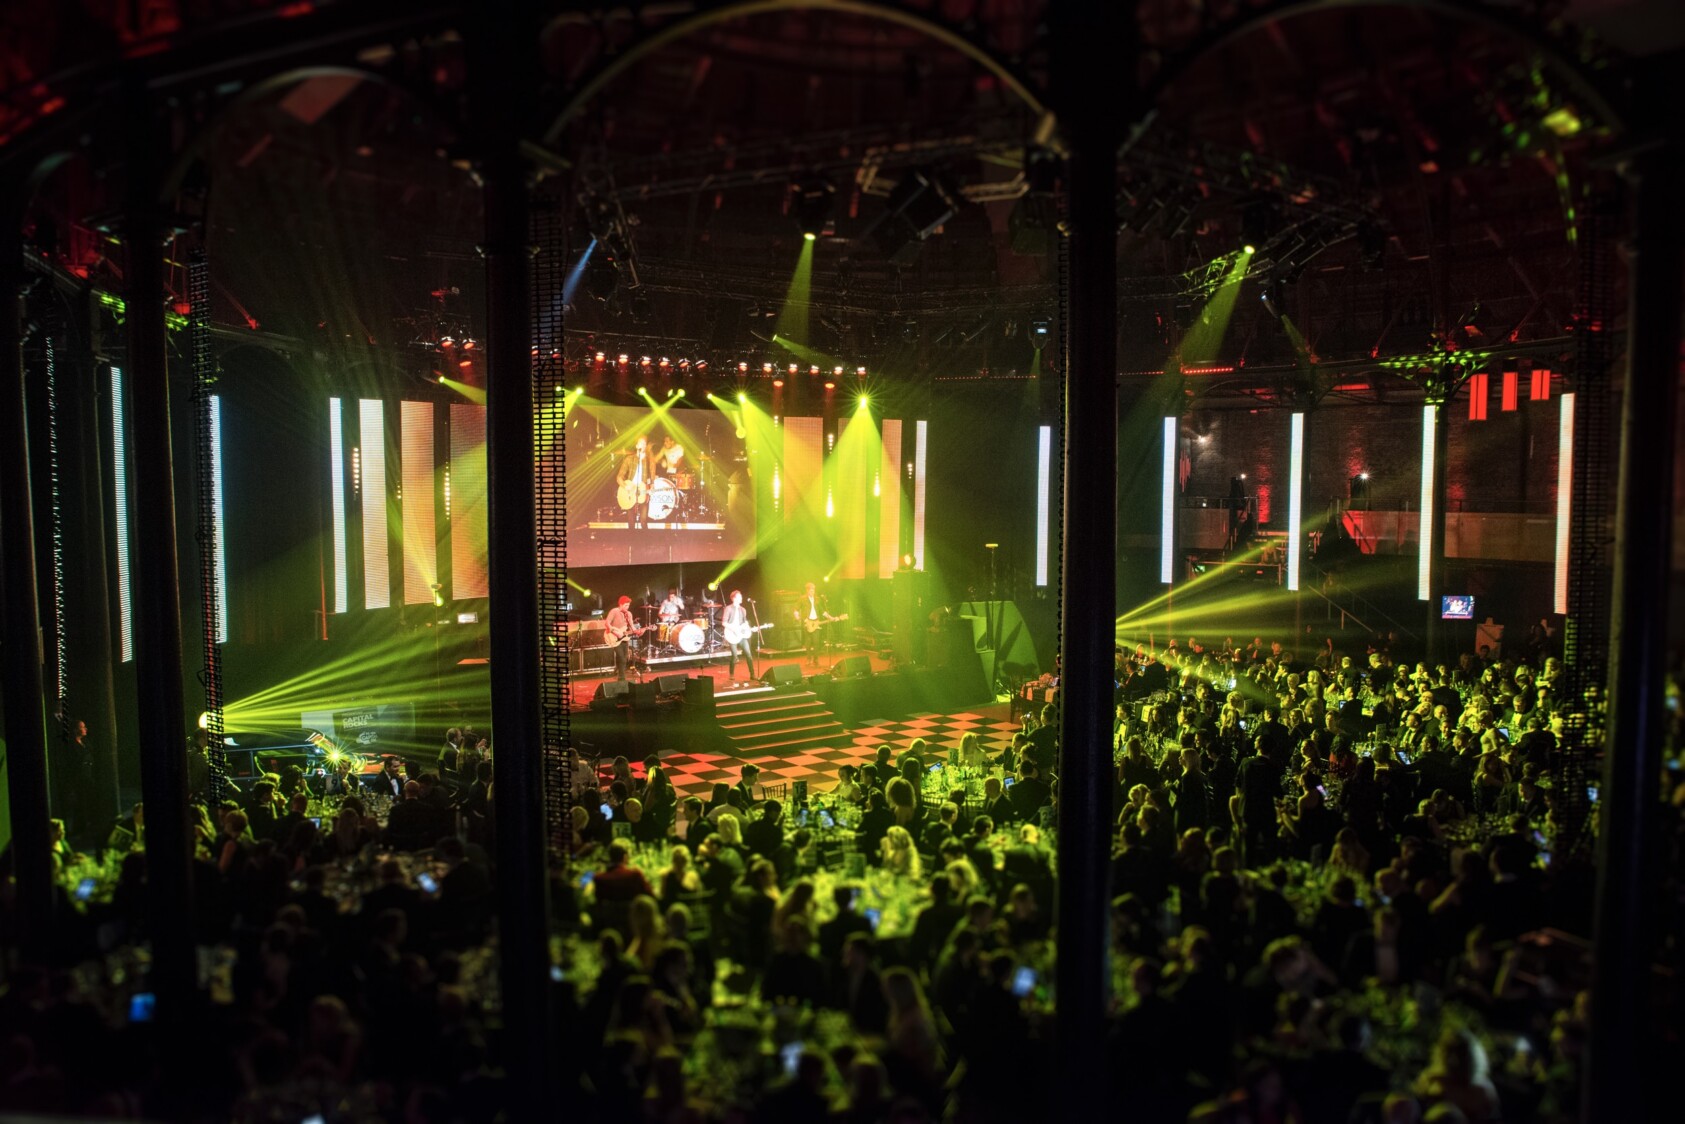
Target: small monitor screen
[(1457, 607)]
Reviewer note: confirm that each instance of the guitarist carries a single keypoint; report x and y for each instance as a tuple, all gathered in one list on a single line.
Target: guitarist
[(620, 628), (735, 623), (814, 614), (633, 479)]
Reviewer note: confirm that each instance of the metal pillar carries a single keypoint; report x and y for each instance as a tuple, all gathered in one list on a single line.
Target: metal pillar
[(503, 63), (20, 612), (1617, 1069), (157, 594), (1087, 42)]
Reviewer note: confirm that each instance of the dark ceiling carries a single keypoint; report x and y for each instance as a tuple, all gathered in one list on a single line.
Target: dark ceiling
[(1404, 174)]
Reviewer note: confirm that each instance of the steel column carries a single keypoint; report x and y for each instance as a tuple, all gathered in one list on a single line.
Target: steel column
[(503, 64), (1088, 41), (1618, 1069), (20, 615), (157, 594)]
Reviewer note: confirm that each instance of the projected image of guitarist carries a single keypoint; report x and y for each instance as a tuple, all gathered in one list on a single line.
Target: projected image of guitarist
[(815, 617), (632, 481)]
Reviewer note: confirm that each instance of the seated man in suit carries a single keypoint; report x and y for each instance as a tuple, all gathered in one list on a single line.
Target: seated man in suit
[(390, 780)]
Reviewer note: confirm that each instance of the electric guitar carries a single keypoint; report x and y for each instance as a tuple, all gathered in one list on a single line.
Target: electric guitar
[(820, 622), (615, 639), (737, 633)]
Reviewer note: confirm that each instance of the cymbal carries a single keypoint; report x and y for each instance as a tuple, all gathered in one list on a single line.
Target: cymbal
[(710, 604)]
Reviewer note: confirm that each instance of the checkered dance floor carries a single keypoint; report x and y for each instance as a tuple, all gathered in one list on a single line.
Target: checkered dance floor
[(696, 774)]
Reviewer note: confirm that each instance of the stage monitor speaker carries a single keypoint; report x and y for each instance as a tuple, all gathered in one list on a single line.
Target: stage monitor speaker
[(699, 695), (643, 696), (782, 675), (610, 694), (671, 684), (852, 667)]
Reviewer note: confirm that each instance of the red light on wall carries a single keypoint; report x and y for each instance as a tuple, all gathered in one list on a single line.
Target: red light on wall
[(1479, 392), (1540, 390), (1512, 390)]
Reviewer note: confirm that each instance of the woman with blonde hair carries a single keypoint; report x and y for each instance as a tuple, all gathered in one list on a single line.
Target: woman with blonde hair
[(1457, 1076), (899, 856), (1349, 856), (915, 1049), (645, 931), (679, 878), (797, 902), (971, 754)]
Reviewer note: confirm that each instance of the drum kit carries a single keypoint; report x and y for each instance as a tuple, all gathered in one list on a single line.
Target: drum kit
[(694, 633), (672, 497)]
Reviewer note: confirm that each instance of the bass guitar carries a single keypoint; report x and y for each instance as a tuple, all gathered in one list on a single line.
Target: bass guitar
[(737, 633), (820, 622)]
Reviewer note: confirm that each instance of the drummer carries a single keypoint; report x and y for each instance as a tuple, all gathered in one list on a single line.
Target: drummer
[(673, 608), (670, 460)]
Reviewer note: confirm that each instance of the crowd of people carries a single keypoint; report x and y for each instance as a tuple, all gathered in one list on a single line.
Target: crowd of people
[(1344, 890)]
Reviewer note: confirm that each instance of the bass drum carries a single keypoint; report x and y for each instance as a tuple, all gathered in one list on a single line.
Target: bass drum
[(663, 498), (691, 639)]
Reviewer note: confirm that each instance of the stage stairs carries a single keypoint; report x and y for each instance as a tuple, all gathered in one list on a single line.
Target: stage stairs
[(777, 723)]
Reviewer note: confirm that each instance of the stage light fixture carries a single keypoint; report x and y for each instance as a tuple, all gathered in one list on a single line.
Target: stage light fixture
[(829, 385), (1040, 332), (837, 371), (624, 359), (862, 402), (861, 371), (468, 344), (701, 365), (465, 363), (742, 368), (793, 368), (742, 397), (644, 361), (664, 363), (766, 368), (778, 384), (1249, 249), (813, 370), (643, 391), (815, 198), (713, 586), (599, 357), (681, 392)]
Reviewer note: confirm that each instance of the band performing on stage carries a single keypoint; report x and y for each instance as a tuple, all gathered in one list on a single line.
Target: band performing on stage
[(707, 630)]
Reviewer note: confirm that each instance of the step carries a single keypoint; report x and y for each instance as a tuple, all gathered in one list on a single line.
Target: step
[(794, 745), (829, 729), (747, 728)]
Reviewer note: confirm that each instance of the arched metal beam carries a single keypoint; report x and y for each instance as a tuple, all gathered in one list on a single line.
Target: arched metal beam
[(706, 13), (1602, 96)]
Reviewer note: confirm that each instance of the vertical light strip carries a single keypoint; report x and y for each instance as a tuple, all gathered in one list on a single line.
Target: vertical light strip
[(336, 487), (921, 435), (120, 491), (377, 565), (1167, 509), (415, 467), (1295, 498), (803, 484), (218, 538), (1424, 506), (889, 489), (1564, 497), (1044, 481), (468, 526)]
